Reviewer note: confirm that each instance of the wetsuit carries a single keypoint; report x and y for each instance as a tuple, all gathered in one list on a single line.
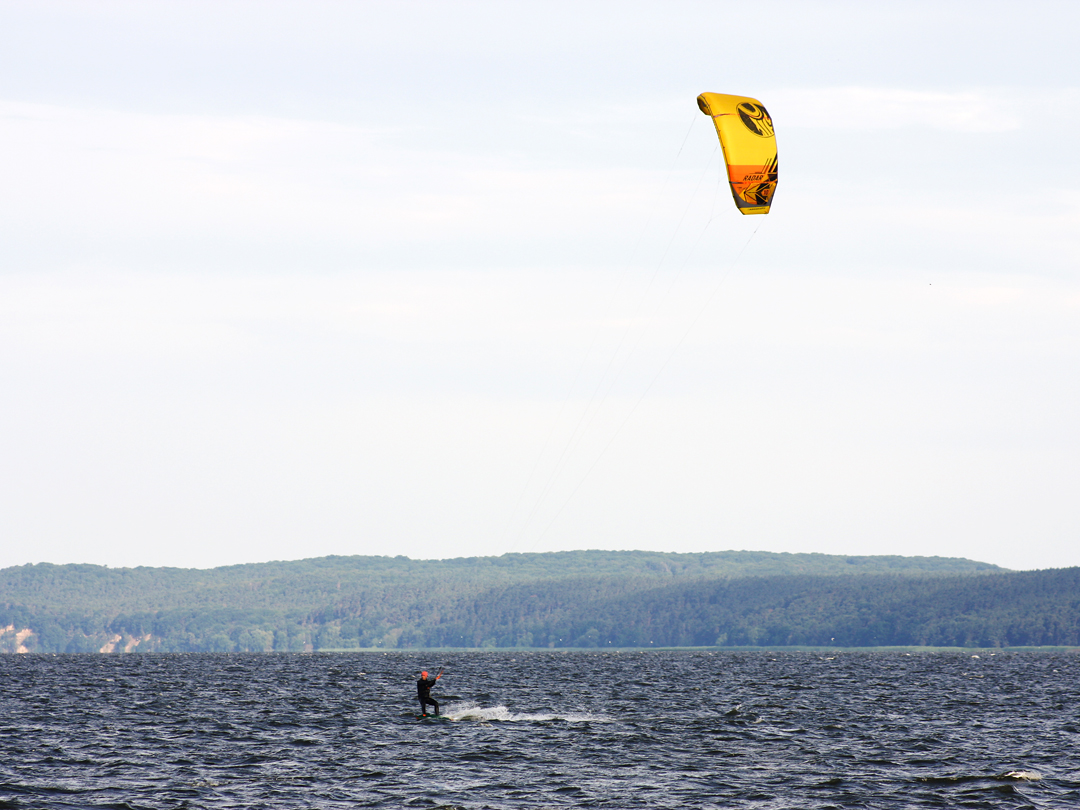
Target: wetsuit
[(423, 694)]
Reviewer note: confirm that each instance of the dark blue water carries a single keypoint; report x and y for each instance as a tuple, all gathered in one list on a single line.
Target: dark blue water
[(619, 730)]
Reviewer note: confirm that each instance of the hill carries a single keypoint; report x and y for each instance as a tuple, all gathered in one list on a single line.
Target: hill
[(584, 598), (309, 583)]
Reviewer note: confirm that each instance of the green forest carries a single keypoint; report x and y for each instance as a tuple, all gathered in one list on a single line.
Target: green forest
[(591, 599)]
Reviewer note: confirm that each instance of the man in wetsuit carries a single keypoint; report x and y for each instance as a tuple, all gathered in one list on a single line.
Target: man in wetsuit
[(423, 692)]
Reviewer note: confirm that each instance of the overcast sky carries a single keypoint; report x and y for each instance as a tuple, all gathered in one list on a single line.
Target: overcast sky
[(281, 280)]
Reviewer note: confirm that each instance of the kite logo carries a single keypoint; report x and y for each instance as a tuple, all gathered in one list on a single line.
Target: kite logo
[(756, 119), (759, 193), (754, 186)]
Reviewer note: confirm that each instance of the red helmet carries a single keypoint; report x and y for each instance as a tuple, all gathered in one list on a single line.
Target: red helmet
[(424, 674)]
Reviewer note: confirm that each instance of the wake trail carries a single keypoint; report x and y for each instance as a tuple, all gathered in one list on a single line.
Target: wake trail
[(502, 714)]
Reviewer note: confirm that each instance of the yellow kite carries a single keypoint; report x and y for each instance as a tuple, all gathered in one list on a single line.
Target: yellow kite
[(746, 135)]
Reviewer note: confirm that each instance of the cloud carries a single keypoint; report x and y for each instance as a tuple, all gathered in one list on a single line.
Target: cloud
[(252, 336), (877, 108), (235, 418), (158, 184)]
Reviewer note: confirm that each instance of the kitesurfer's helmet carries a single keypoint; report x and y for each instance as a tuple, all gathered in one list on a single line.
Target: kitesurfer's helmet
[(424, 674)]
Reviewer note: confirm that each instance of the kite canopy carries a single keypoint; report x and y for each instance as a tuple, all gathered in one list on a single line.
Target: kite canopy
[(746, 135)]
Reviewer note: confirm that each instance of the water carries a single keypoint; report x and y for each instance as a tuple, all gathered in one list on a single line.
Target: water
[(538, 729)]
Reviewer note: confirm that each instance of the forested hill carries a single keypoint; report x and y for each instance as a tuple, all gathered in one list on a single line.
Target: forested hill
[(587, 598), (307, 584)]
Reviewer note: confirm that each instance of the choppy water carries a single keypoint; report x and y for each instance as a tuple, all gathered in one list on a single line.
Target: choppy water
[(537, 729)]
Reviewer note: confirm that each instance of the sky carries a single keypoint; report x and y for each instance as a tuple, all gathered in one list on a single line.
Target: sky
[(288, 279)]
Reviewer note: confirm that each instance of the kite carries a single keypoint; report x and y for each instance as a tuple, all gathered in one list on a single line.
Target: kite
[(749, 143)]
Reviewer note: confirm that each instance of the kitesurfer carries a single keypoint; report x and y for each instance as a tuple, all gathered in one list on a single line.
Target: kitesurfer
[(423, 692)]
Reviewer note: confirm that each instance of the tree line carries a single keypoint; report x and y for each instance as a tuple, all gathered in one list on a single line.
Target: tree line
[(558, 600)]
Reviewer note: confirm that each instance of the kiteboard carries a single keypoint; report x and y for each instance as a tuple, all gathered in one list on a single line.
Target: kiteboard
[(440, 717)]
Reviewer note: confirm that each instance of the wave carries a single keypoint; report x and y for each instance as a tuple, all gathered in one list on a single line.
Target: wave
[(501, 714), (1021, 776), (1007, 776)]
